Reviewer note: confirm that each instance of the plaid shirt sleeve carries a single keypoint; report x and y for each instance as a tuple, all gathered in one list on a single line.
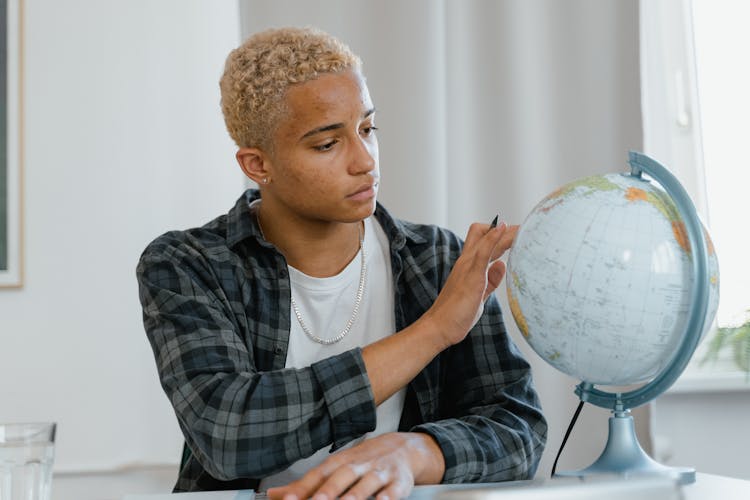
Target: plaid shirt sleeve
[(238, 420), (491, 426), (477, 398)]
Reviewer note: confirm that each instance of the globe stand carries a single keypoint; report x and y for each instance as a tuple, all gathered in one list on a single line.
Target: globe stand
[(624, 456)]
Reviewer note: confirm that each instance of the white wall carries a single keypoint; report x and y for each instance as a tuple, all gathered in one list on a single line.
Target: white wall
[(706, 429), (124, 140)]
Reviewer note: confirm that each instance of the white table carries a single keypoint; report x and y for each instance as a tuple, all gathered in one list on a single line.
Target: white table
[(706, 487)]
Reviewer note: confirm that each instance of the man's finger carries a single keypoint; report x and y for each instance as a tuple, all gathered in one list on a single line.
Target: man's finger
[(340, 480), (475, 233), (394, 491), (302, 487), (506, 241), (495, 274), (489, 242), (372, 482)]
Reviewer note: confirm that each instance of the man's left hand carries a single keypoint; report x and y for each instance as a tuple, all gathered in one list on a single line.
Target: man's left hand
[(385, 467)]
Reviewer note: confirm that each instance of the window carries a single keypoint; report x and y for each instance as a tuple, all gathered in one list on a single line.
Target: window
[(723, 80), (695, 108)]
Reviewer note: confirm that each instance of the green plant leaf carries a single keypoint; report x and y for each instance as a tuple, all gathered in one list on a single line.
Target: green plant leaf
[(716, 344), (735, 338), (741, 347)]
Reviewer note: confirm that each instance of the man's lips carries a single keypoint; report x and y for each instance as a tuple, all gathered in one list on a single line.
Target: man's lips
[(364, 192)]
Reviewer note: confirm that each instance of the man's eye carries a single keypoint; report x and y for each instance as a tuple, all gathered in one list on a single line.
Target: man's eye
[(325, 147), (369, 130)]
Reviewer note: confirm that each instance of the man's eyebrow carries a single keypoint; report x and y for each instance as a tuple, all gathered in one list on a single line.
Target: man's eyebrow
[(324, 128), (333, 126)]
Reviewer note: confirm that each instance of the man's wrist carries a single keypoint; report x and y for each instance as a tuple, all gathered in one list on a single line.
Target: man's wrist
[(436, 329), (429, 457)]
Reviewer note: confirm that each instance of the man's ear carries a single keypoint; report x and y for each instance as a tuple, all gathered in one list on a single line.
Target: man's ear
[(253, 162)]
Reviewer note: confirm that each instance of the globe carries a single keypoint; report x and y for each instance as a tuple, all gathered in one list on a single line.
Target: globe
[(613, 280)]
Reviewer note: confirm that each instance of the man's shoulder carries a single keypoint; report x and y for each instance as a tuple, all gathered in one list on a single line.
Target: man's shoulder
[(211, 234), (192, 245)]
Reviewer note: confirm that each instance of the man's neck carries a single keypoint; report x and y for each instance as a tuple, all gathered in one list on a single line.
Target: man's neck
[(316, 248)]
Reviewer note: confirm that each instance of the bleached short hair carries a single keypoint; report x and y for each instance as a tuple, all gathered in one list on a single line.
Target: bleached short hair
[(258, 73)]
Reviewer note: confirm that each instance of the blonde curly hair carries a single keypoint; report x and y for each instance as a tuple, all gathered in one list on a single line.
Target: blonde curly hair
[(258, 73)]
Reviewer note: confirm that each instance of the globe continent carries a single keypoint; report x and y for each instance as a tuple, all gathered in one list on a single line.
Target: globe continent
[(599, 279)]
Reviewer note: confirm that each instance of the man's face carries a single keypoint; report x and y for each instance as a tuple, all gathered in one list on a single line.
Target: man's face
[(325, 161)]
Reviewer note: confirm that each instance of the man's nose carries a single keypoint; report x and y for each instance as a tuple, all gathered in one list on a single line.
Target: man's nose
[(363, 157)]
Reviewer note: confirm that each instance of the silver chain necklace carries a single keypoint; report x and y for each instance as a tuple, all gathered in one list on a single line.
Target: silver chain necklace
[(357, 302)]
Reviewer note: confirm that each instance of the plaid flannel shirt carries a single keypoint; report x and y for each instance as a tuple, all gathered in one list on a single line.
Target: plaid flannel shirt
[(216, 310)]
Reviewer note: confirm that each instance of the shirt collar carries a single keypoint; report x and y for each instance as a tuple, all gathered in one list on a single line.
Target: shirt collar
[(242, 222)]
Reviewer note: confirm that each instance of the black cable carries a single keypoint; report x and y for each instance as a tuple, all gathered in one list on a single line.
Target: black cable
[(567, 435)]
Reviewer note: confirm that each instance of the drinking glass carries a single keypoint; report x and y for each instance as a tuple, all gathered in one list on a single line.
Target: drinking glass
[(27, 452)]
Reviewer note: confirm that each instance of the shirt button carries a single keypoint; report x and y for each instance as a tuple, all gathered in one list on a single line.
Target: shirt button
[(282, 273), (278, 350)]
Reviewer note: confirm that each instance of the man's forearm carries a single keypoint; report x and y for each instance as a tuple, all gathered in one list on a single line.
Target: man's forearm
[(394, 361)]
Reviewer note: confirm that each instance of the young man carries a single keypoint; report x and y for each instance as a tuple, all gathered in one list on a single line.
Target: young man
[(307, 320)]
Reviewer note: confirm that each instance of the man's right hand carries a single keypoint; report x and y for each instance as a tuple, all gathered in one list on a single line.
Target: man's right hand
[(476, 275)]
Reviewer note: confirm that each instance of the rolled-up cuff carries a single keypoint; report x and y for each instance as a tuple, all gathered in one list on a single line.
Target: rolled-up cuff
[(459, 448), (348, 396)]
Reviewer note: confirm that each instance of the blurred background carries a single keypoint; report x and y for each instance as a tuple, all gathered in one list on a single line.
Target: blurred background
[(483, 106)]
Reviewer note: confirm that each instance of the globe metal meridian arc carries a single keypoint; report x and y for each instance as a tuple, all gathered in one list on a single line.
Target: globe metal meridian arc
[(699, 298)]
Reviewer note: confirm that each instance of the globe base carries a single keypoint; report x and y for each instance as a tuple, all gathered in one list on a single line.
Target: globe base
[(623, 456)]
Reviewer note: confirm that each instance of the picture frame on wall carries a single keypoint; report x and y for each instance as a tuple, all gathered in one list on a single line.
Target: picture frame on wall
[(11, 144)]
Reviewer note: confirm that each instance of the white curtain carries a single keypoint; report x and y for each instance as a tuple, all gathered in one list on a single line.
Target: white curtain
[(487, 106)]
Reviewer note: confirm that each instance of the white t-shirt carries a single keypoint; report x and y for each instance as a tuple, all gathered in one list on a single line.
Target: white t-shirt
[(326, 304)]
